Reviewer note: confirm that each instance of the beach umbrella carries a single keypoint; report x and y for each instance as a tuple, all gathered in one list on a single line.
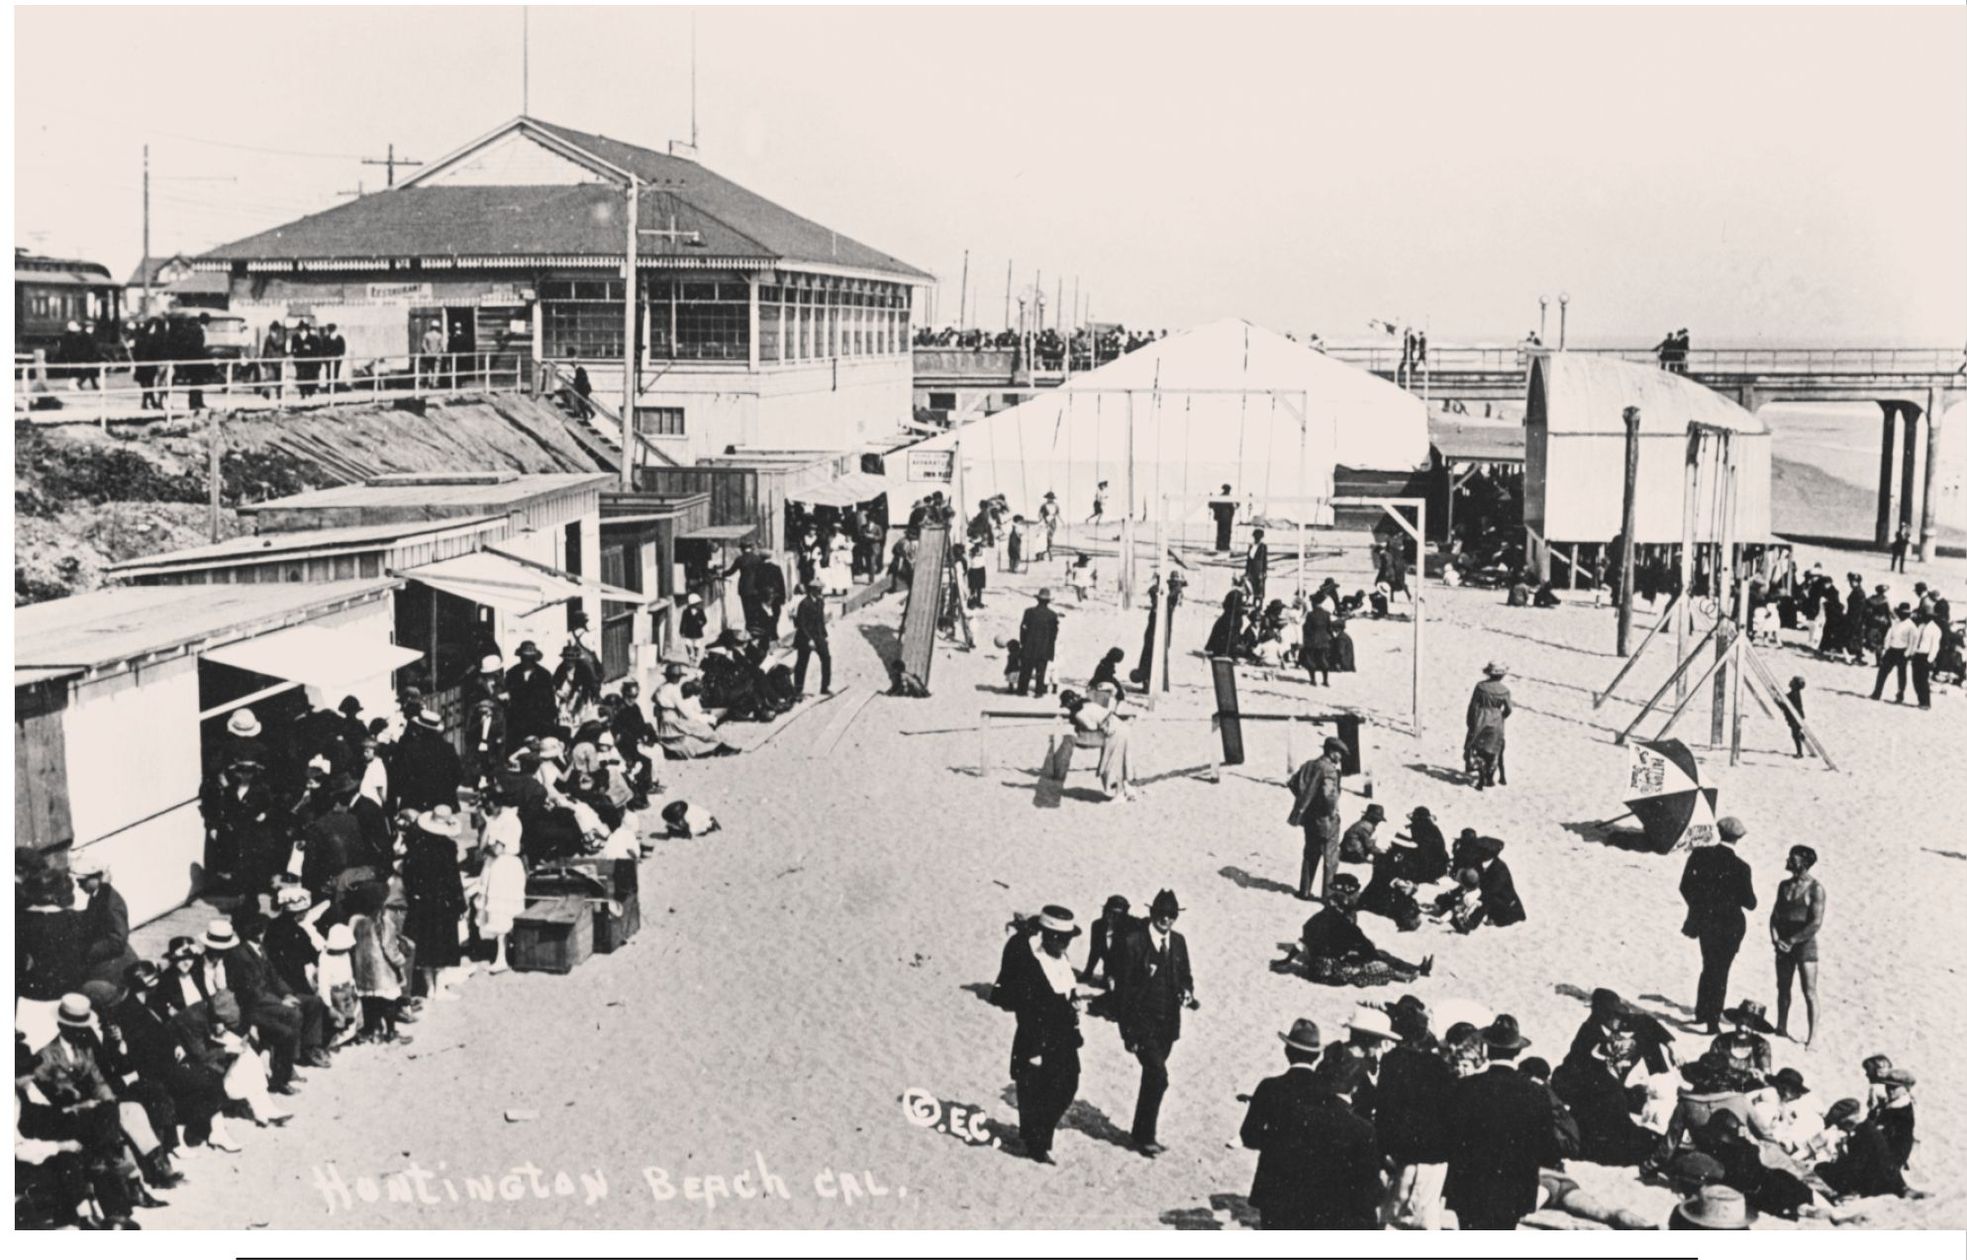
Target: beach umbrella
[(1668, 798)]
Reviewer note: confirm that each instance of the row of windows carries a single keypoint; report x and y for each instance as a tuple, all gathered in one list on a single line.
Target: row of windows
[(720, 331)]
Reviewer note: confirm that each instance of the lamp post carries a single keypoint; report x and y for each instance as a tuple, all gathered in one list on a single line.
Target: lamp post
[(1543, 316), (1563, 311)]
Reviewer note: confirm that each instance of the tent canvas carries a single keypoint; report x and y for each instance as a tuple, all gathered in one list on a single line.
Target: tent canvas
[(1196, 427)]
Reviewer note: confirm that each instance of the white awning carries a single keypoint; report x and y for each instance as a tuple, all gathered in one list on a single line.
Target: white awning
[(332, 660), (515, 586), (845, 490)]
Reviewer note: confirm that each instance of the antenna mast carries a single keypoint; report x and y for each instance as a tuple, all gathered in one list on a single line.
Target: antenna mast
[(525, 59), (693, 79)]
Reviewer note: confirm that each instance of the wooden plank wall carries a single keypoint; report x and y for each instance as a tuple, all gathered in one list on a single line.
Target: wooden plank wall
[(925, 598), (41, 814)]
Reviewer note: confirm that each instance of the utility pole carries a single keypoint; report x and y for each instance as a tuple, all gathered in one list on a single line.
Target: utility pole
[(147, 268), (1629, 522), (390, 163), (358, 192), (1008, 271), (525, 59), (963, 294)]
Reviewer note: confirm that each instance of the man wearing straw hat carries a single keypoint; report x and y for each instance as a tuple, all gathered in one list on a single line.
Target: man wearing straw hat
[(1036, 984)]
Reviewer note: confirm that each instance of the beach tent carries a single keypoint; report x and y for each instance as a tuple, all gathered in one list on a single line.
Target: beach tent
[(1574, 453), (1241, 427)]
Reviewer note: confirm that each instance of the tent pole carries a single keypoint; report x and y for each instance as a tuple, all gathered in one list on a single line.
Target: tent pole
[(1420, 616), (1720, 577), (1741, 610), (1679, 673), (1684, 620), (1304, 488)]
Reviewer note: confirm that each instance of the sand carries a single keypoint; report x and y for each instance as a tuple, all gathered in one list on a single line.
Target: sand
[(830, 949)]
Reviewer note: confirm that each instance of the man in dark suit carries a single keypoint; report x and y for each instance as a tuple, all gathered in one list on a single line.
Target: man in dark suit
[(427, 772), (1256, 569), (1278, 1126), (1409, 1116), (531, 711), (154, 1047), (288, 1024), (1157, 987), (1318, 644), (1342, 1162), (1500, 1133), (809, 640), (1718, 889), (1501, 907), (105, 922), (333, 840), (1315, 787), (1038, 640), (1223, 508), (1034, 982)]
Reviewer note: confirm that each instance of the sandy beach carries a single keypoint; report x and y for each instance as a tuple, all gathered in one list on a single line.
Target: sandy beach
[(828, 953)]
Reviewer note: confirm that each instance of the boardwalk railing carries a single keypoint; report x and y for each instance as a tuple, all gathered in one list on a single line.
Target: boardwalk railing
[(1887, 361), (162, 389)]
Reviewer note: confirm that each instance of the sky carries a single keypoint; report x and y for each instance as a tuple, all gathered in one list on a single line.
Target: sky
[(1759, 176)]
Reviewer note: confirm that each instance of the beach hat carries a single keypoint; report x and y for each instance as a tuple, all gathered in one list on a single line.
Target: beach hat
[(219, 935), (1485, 847), (349, 706), (1303, 1036), (1376, 812), (1495, 669), (1057, 919), (1504, 1034), (1420, 811), (490, 663), (1373, 1022), (342, 784), (1334, 744), (102, 994), (87, 866), (551, 747), (1898, 1077), (1789, 1083), (294, 898), (341, 938), (1749, 1014), (1731, 828), (529, 651), (243, 723), (1715, 1207), (672, 671), (142, 974), (181, 947), (1164, 903), (428, 719), (75, 1011), (1044, 594), (1841, 1110), (439, 821), (694, 601), (1345, 883), (320, 765), (1116, 903)]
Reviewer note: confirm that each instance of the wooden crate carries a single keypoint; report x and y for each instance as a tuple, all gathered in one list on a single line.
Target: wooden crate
[(555, 934), (617, 875), (615, 921)]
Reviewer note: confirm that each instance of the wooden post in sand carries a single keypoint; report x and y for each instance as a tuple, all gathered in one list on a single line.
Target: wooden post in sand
[(1720, 576), (1629, 521), (1683, 622)]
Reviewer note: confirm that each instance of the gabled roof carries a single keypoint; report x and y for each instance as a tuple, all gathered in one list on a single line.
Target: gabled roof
[(1588, 393), (285, 544), (122, 623), (425, 219)]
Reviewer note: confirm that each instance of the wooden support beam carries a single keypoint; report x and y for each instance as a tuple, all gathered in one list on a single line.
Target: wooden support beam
[(1679, 672), (1669, 613)]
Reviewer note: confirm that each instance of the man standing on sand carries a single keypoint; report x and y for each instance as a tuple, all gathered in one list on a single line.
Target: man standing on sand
[(1223, 508), (1500, 1135), (809, 640), (1315, 794), (1892, 656), (1158, 985), (1900, 542), (1256, 568), (1718, 889), (1036, 984), (1038, 640), (1925, 650), (1278, 1126)]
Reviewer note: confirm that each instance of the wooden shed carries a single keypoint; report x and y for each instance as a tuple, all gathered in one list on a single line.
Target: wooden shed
[(118, 692), (1574, 453)]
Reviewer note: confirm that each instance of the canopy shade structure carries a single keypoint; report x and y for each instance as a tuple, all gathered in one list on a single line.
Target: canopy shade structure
[(1574, 465), (315, 655), (512, 585), (844, 491), (1226, 403)]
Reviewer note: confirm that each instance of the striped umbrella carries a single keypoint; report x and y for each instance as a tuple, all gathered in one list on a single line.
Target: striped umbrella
[(1668, 798)]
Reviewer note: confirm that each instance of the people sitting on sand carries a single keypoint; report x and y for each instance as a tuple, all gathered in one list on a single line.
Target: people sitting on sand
[(1866, 1165), (1891, 1105), (1501, 907), (1545, 596), (1746, 1039), (1610, 1012), (681, 733), (1606, 1091), (1334, 950), (684, 821), (1427, 861), (1519, 594), (1358, 844), (1770, 1191), (1391, 890)]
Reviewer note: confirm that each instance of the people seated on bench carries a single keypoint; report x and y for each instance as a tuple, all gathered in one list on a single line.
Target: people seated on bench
[(1095, 726), (682, 730)]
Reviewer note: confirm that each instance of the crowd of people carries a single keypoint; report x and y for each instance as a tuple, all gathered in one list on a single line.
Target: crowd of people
[(1412, 1116), (1089, 347), (364, 868)]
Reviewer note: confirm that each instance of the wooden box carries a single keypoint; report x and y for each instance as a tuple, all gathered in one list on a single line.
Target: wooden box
[(554, 935), (615, 921), (617, 875)]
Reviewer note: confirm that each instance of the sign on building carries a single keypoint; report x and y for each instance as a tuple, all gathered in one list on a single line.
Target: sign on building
[(394, 292), (932, 466)]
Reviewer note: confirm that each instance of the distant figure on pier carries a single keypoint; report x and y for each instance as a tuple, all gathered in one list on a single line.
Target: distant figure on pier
[(1223, 508)]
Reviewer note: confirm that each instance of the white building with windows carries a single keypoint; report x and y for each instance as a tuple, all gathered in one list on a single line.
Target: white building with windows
[(754, 327)]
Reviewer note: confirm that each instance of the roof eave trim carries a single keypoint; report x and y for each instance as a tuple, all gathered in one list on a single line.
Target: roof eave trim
[(535, 130)]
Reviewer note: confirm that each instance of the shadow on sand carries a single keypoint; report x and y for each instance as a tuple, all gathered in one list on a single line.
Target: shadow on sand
[(1256, 883)]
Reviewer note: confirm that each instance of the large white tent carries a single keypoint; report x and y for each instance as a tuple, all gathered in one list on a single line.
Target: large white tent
[(1225, 403)]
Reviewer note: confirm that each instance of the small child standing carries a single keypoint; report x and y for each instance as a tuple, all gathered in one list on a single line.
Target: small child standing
[(1081, 575), (1015, 544), (1794, 715), (1013, 664), (692, 627)]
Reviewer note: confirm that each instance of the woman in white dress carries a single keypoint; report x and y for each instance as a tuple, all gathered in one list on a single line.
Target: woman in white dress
[(1094, 725)]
